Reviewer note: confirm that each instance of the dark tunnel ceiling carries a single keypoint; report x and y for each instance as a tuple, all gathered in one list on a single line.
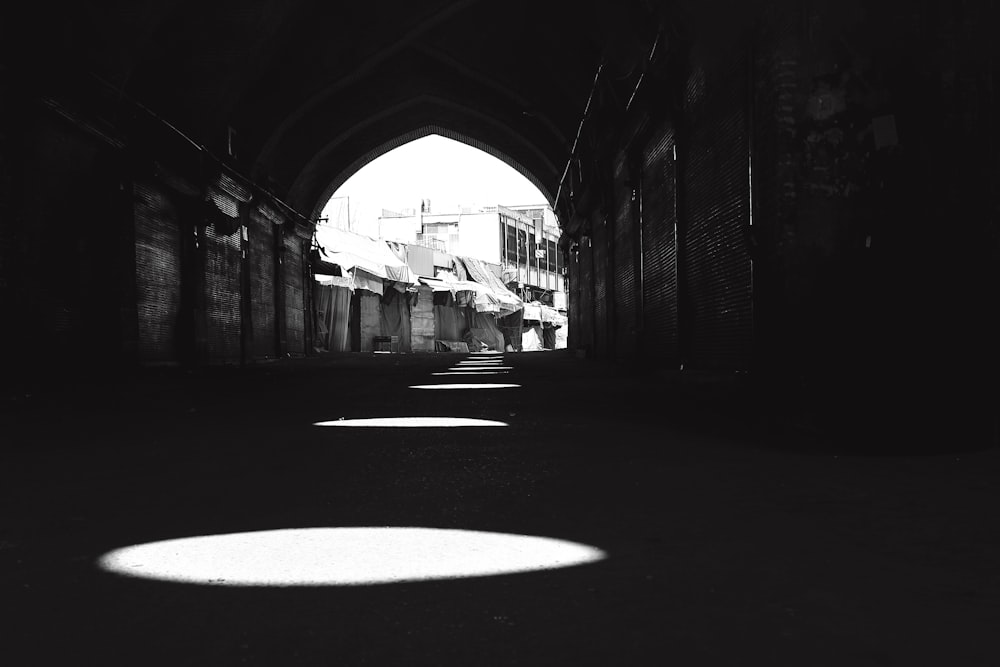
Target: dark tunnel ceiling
[(311, 87)]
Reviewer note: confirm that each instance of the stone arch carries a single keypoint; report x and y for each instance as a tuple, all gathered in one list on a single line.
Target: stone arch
[(413, 135)]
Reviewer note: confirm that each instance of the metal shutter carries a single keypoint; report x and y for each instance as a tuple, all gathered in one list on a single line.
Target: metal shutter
[(600, 255), (625, 311), (585, 292), (295, 321), (573, 307), (773, 151), (222, 295), (158, 275), (659, 249), (262, 303), (715, 219)]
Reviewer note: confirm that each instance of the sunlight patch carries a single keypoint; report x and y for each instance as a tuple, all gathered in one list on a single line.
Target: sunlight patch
[(465, 385), (480, 368), (343, 556), (411, 422), (471, 373)]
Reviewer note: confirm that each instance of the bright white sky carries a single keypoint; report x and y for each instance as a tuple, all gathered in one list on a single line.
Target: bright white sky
[(449, 173)]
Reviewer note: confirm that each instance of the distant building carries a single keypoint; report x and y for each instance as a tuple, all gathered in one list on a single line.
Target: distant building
[(523, 240)]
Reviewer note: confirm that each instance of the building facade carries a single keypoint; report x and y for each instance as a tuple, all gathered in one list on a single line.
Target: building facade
[(522, 240)]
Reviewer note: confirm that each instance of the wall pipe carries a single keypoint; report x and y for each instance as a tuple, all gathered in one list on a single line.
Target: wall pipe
[(579, 131), (200, 147)]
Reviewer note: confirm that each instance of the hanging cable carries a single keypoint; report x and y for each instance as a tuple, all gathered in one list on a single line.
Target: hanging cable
[(579, 132), (252, 185)]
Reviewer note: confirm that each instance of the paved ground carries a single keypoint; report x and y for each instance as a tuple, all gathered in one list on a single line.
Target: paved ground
[(729, 542)]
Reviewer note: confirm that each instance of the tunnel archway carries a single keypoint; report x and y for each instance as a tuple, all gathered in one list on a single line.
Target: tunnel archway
[(428, 130)]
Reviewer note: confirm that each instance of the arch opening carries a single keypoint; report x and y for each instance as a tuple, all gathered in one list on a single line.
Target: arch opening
[(407, 138)]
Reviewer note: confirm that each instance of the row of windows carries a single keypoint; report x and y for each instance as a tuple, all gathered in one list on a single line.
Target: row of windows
[(519, 246)]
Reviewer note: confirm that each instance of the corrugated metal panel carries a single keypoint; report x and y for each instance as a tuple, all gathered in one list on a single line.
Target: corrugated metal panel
[(625, 287), (573, 311), (716, 217), (659, 250), (222, 295), (599, 249), (158, 275), (295, 316), (262, 303), (586, 319), (775, 172)]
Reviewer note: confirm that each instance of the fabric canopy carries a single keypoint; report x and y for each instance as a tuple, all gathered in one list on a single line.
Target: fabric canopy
[(436, 285), (542, 313), (501, 300), (351, 251), (446, 282)]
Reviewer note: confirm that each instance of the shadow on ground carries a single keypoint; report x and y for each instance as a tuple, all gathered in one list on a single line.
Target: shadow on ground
[(732, 537)]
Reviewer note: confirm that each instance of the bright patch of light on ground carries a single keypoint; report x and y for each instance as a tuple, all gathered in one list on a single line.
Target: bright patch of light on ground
[(343, 556), (480, 368), (464, 385), (477, 363), (464, 372), (411, 422)]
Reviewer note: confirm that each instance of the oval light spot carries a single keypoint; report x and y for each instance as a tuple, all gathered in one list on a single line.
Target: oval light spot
[(464, 372), (480, 368), (411, 422), (343, 556), (465, 385)]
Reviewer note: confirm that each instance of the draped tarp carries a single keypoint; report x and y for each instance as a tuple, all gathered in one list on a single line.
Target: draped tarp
[(562, 337), (539, 312), (333, 308), (349, 251), (436, 284), (484, 328), (396, 318), (506, 302), (531, 339), (511, 327), (450, 323), (548, 337), (362, 279), (451, 317), (481, 296)]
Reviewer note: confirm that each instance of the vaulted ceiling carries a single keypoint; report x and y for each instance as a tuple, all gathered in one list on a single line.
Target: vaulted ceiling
[(314, 89)]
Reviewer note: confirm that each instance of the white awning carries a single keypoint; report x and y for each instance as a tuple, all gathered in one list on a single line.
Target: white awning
[(349, 251)]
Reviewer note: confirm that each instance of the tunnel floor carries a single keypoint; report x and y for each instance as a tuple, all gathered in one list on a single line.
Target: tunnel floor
[(726, 543)]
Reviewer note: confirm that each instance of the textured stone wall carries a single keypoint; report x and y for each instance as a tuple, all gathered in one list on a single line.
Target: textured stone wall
[(422, 321)]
